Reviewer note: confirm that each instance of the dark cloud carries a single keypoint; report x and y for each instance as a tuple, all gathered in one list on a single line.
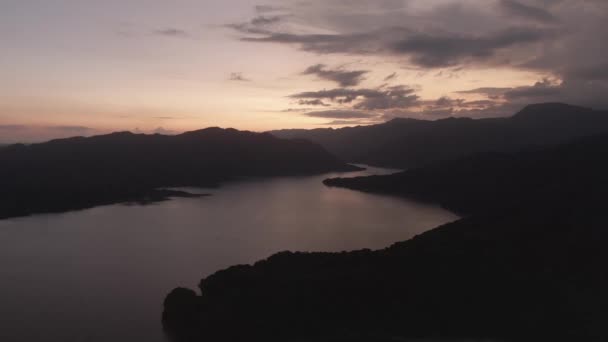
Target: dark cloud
[(506, 101), (344, 78), (597, 72), (447, 33), (268, 8), (447, 107), (172, 32), (319, 43), (446, 101), (296, 110), (349, 122), (444, 106), (390, 77), (560, 39), (526, 11), (544, 89), (265, 20), (440, 50), (339, 95), (315, 102), (238, 76), (423, 49), (479, 104), (391, 97), (340, 114), (490, 92), (356, 42), (260, 24), (365, 99)]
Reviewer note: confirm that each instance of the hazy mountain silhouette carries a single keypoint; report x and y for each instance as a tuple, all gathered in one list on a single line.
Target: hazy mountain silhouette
[(82, 172), (409, 143), (528, 263), (489, 182)]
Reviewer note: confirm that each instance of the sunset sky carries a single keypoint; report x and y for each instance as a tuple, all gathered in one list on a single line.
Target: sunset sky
[(81, 67)]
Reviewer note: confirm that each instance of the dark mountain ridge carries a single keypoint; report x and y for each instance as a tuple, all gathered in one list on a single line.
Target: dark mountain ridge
[(527, 264), (489, 182), (406, 143), (80, 172)]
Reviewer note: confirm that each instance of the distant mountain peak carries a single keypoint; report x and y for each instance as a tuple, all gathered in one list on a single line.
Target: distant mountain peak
[(121, 134), (401, 120), (215, 132), (549, 109)]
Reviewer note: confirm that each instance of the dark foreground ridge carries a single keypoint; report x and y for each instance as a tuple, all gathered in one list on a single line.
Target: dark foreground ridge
[(78, 173), (528, 263), (407, 143)]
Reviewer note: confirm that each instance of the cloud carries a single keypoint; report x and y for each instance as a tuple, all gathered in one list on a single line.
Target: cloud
[(506, 101), (390, 77), (172, 32), (340, 114), (437, 48), (544, 89), (391, 97), (268, 8), (349, 122), (260, 24), (441, 50), (354, 43), (598, 72), (442, 107), (296, 110), (447, 33), (238, 76), (339, 95), (563, 40), (526, 11), (364, 98), (491, 92), (344, 78), (315, 102), (446, 101), (265, 20)]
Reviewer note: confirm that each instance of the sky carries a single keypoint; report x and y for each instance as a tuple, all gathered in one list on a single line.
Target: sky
[(83, 67)]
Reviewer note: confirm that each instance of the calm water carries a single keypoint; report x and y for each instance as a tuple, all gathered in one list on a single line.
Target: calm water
[(102, 274)]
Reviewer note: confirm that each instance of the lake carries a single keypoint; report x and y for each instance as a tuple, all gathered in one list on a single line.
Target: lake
[(102, 274)]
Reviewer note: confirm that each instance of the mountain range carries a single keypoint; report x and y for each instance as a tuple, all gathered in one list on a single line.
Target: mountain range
[(525, 263), (80, 172), (406, 143)]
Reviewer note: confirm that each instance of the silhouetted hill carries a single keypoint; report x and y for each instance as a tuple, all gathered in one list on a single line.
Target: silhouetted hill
[(82, 172), (406, 143), (494, 181), (528, 264)]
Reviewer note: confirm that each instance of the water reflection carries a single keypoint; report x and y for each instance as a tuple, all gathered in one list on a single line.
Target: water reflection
[(101, 274)]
